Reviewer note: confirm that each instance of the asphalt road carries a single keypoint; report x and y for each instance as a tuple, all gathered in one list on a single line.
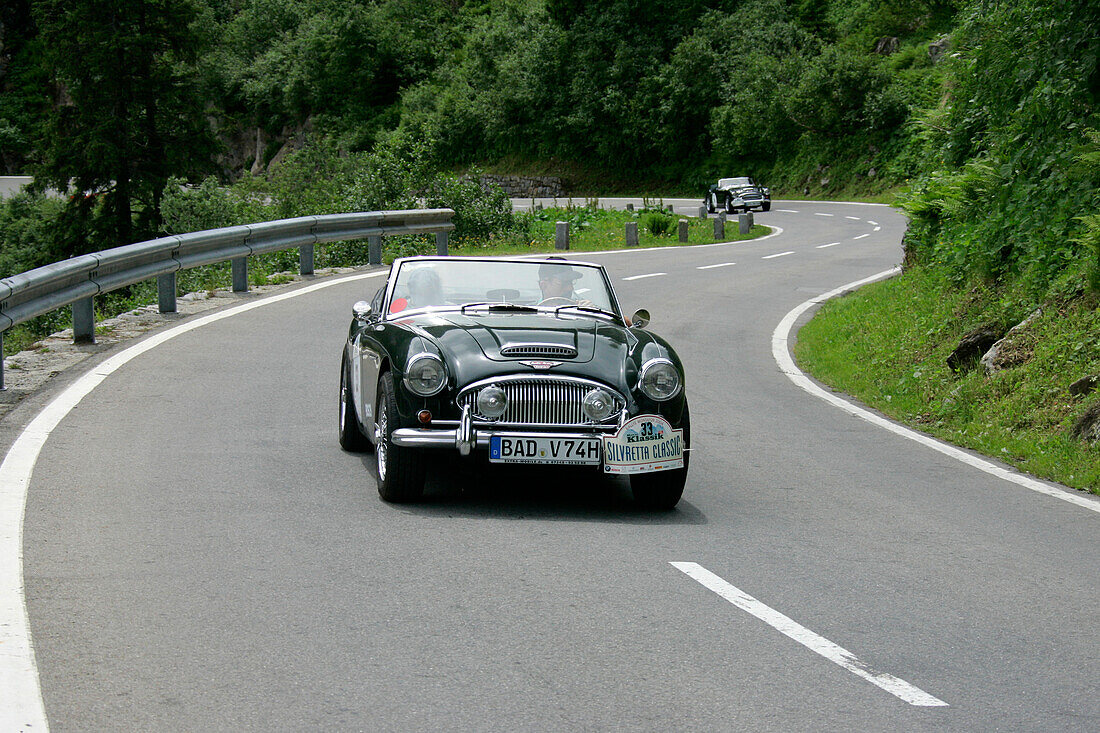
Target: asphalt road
[(201, 555)]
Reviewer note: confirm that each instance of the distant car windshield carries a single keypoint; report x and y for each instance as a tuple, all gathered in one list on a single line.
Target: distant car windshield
[(727, 182), (454, 282)]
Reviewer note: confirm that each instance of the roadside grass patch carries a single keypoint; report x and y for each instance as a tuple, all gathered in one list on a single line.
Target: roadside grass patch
[(887, 345)]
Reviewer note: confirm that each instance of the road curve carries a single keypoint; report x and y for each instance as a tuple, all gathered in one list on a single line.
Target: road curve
[(199, 554)]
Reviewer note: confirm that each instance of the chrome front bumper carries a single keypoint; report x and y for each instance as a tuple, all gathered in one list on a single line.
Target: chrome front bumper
[(465, 437)]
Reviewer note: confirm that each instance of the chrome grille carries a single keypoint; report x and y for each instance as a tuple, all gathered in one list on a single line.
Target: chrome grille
[(539, 401), (528, 350)]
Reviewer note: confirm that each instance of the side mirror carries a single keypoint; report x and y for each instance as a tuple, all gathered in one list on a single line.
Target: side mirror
[(640, 319), (361, 311)]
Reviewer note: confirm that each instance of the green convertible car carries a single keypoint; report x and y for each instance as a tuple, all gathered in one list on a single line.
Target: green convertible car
[(515, 361)]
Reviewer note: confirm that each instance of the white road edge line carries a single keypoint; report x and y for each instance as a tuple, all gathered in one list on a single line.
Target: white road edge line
[(814, 642), (720, 264), (642, 277), (782, 355), (780, 254), (21, 705)]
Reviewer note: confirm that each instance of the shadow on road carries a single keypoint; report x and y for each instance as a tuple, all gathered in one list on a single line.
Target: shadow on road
[(477, 489)]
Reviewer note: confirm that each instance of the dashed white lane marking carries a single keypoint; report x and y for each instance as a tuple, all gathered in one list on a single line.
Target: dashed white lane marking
[(786, 211), (711, 267), (642, 277), (819, 214), (876, 229), (853, 218), (872, 223), (826, 246), (780, 254), (814, 642), (21, 706), (861, 236), (782, 355)]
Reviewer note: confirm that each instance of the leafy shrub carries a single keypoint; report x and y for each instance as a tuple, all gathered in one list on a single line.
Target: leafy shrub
[(658, 225)]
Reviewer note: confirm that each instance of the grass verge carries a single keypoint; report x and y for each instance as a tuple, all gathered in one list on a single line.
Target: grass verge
[(887, 346)]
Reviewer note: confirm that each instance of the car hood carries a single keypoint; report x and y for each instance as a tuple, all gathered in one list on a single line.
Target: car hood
[(482, 345)]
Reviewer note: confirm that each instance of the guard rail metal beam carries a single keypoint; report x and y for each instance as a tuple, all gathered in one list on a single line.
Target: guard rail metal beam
[(79, 279)]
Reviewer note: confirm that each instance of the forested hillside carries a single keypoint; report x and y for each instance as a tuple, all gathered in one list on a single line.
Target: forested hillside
[(980, 109)]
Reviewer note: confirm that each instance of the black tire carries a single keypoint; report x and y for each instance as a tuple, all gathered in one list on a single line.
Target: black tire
[(351, 435), (400, 470), (710, 203), (661, 491), (730, 208), (766, 206)]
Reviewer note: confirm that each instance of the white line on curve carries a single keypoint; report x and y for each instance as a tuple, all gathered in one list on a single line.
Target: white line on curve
[(876, 229), (782, 355), (786, 211), (780, 254), (812, 641), (21, 706), (642, 277), (711, 267), (853, 218), (872, 223), (817, 214), (861, 236), (825, 246)]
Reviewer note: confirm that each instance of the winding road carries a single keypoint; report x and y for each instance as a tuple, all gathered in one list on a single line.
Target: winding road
[(199, 554)]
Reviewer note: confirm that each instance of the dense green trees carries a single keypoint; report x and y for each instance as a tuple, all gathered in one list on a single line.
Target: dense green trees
[(984, 106)]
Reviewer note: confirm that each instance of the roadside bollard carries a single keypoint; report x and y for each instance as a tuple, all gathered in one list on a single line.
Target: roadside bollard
[(702, 212), (632, 234), (720, 227), (683, 230), (561, 235), (630, 207), (744, 222)]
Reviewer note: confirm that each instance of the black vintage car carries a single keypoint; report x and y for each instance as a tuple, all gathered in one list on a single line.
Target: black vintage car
[(738, 194), (511, 361)]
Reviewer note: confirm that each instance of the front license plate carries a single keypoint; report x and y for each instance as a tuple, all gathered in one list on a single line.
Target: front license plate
[(530, 449)]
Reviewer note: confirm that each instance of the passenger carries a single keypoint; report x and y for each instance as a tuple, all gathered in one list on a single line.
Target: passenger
[(425, 289)]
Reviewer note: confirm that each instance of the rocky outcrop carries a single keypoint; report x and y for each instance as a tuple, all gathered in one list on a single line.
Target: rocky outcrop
[(887, 45), (1083, 386), (1012, 350), (526, 186), (1087, 427), (972, 347)]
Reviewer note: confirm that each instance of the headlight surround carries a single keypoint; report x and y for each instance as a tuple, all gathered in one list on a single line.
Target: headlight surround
[(659, 380), (492, 401), (425, 375), (598, 405)]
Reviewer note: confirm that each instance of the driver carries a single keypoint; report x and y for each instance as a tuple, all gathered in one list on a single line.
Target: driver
[(556, 281)]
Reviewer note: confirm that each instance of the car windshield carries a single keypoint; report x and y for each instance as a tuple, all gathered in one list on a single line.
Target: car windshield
[(727, 182), (450, 283)]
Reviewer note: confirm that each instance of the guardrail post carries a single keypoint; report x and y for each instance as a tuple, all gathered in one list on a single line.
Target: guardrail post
[(683, 230), (374, 249), (83, 321), (720, 227), (561, 235), (305, 259), (744, 222), (166, 292), (2, 387), (239, 269), (632, 234), (441, 243)]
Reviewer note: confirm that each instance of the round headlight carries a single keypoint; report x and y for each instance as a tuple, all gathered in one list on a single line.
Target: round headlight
[(425, 375), (492, 401), (659, 380), (598, 405)]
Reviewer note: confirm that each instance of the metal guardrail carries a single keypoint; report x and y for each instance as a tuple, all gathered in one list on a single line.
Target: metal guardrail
[(78, 280)]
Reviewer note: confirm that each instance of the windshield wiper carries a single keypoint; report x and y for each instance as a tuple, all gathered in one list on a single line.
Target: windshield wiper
[(587, 308), (501, 307)]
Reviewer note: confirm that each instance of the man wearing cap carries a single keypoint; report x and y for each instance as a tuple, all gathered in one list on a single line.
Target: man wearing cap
[(556, 282)]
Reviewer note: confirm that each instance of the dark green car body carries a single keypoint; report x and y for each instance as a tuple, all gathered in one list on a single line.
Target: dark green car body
[(550, 356)]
